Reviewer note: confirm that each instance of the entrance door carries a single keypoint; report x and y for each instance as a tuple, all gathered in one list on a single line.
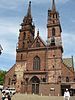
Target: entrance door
[(35, 88), (35, 85), (63, 88)]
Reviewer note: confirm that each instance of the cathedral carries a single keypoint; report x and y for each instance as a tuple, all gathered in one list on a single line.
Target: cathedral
[(40, 67)]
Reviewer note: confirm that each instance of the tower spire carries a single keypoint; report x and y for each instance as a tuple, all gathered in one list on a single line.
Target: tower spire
[(53, 5), (29, 9)]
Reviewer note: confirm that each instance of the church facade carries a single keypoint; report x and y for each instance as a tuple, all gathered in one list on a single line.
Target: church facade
[(40, 67)]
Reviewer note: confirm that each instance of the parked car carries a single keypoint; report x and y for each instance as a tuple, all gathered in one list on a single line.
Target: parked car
[(6, 90), (9, 90), (12, 90)]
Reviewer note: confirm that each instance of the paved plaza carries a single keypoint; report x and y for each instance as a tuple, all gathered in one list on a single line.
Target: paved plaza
[(36, 97)]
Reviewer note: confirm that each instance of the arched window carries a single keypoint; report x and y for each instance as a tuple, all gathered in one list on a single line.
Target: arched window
[(44, 79), (59, 78), (53, 15), (52, 41), (21, 56), (56, 16), (23, 44), (53, 31), (24, 36), (74, 79), (9, 80), (36, 63), (37, 43), (67, 79)]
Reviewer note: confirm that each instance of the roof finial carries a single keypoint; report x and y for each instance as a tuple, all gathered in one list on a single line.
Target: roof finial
[(38, 32), (53, 5), (29, 9)]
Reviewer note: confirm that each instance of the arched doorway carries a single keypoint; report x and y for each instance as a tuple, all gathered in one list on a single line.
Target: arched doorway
[(63, 88), (35, 84)]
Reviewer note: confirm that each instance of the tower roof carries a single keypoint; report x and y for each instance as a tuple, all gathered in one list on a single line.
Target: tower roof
[(28, 18), (29, 9), (53, 5)]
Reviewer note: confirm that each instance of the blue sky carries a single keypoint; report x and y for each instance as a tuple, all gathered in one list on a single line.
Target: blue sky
[(12, 13)]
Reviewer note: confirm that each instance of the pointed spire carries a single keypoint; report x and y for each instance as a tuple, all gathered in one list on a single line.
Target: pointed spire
[(53, 5), (29, 9)]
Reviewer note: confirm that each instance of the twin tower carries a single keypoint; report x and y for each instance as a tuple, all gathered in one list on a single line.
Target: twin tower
[(27, 31), (37, 62), (39, 66)]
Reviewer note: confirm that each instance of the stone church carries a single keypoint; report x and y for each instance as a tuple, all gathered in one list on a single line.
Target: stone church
[(40, 67)]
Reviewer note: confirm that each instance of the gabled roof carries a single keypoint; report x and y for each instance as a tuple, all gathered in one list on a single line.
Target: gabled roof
[(68, 62), (41, 42)]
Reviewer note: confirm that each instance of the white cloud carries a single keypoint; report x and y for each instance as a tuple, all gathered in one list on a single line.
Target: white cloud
[(73, 20), (44, 1), (10, 4), (62, 1), (13, 4), (39, 1), (68, 43), (9, 31)]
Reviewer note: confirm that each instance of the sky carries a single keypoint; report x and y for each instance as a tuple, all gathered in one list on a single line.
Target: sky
[(12, 13)]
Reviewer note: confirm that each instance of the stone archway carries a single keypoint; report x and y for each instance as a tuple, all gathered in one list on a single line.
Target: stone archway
[(35, 84)]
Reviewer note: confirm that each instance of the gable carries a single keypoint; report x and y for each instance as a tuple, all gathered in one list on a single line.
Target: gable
[(66, 71), (38, 42)]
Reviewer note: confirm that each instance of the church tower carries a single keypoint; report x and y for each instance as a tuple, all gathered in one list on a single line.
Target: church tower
[(54, 27), (54, 45), (26, 37), (39, 66), (27, 31)]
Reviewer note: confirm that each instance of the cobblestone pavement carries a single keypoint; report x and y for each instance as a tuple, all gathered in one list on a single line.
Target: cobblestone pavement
[(36, 97)]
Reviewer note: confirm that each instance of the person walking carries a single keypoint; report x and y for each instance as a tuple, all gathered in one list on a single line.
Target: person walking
[(3, 95), (66, 95), (7, 97)]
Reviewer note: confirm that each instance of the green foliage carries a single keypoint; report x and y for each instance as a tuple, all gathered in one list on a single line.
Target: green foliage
[(2, 74)]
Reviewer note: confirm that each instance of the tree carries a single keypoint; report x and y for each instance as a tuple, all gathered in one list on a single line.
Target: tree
[(2, 75)]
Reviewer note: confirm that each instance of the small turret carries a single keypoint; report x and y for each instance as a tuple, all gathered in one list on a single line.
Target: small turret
[(38, 32)]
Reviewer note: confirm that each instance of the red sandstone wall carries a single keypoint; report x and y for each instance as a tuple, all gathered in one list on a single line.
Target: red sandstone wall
[(67, 72), (9, 74), (45, 89)]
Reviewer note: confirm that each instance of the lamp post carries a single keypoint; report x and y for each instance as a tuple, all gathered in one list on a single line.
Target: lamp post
[(1, 49)]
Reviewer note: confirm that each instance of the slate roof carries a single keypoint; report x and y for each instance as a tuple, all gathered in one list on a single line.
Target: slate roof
[(68, 62)]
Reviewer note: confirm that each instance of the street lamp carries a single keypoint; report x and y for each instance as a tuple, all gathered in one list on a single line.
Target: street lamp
[(1, 49)]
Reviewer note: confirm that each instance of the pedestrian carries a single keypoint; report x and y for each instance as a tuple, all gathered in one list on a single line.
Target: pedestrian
[(3, 95), (7, 96), (66, 95)]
